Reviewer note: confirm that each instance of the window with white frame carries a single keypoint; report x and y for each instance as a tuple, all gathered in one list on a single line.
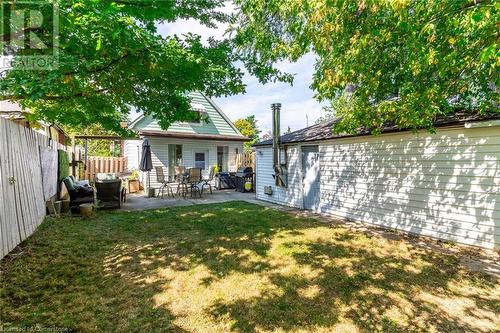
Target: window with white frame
[(199, 112), (201, 159)]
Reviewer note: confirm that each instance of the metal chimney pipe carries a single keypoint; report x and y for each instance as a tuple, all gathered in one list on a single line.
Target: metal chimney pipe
[(276, 107)]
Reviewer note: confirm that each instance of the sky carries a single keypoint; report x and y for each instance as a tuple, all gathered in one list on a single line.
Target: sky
[(299, 108)]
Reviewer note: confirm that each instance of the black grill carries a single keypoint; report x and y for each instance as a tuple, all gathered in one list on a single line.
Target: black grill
[(244, 174)]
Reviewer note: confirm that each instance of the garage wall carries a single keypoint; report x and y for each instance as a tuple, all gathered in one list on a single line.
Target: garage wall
[(291, 196), (444, 185)]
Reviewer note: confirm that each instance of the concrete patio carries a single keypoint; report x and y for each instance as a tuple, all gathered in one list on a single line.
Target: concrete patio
[(138, 201)]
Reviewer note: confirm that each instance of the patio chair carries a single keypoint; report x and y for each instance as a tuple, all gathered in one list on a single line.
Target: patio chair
[(78, 194), (160, 178), (208, 181), (109, 193), (194, 180), (181, 179)]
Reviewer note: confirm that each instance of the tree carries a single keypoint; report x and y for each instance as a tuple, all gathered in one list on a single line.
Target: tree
[(95, 147), (111, 58), (248, 127), (379, 62)]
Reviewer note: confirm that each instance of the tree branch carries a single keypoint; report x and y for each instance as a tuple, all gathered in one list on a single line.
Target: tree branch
[(100, 69), (54, 97)]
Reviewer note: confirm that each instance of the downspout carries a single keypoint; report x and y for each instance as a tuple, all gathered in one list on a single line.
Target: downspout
[(50, 134)]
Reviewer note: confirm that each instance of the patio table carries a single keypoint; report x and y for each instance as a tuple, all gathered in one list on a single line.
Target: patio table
[(182, 187)]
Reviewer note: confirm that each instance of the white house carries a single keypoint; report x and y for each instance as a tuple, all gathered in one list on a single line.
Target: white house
[(444, 185), (205, 143)]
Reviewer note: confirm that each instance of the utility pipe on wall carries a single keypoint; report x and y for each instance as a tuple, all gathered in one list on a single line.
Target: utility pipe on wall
[(278, 176)]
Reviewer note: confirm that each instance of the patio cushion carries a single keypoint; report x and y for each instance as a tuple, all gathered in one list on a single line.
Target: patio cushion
[(70, 185), (105, 176), (79, 182)]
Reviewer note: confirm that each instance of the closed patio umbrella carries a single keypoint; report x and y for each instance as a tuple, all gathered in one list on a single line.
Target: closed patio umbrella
[(146, 162)]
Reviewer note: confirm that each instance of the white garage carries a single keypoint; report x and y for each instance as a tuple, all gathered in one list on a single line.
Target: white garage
[(444, 185)]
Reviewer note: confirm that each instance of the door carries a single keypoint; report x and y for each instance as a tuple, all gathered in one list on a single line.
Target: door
[(174, 159), (222, 158), (311, 177)]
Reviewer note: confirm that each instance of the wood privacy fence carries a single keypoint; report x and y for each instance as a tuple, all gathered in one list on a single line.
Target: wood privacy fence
[(22, 190), (97, 164), (246, 159)]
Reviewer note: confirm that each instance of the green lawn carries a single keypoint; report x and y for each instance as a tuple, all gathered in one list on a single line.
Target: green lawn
[(235, 267)]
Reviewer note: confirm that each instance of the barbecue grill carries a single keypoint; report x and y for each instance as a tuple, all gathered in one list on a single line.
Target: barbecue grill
[(224, 180), (244, 174)]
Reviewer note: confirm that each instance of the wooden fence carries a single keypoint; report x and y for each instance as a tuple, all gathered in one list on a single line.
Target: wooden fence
[(246, 159), (97, 164), (22, 197)]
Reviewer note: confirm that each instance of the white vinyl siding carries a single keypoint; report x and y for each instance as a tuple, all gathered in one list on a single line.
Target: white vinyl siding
[(292, 195), (216, 125), (444, 185), (132, 150), (159, 154)]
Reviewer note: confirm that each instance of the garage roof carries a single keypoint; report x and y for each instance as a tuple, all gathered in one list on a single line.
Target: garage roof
[(323, 130)]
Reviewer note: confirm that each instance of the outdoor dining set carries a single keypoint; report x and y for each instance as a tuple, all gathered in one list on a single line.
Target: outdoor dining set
[(185, 181)]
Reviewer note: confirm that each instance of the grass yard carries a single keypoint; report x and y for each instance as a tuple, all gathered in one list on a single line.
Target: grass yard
[(236, 267)]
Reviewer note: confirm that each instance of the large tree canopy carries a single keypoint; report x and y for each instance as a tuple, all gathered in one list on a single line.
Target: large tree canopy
[(111, 59), (382, 61)]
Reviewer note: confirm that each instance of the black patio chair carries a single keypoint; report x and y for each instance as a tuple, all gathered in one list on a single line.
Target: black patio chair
[(109, 193), (78, 194)]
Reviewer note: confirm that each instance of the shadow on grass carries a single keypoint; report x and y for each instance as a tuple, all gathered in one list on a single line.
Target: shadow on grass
[(107, 274), (363, 290)]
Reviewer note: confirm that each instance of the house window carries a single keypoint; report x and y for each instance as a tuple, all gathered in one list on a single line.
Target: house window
[(174, 159), (198, 112), (200, 159), (197, 120)]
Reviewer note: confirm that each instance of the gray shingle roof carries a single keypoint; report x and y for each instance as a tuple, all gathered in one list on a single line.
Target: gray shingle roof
[(323, 131)]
